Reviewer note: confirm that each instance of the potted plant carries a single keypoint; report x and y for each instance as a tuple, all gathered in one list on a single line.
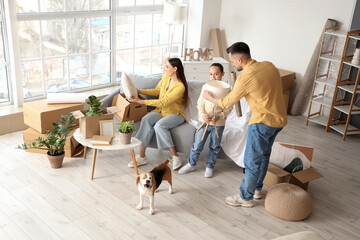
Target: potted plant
[(94, 109), (125, 130), (54, 141)]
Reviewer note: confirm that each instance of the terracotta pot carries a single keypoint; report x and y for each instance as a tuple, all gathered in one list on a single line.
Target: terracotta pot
[(125, 138), (56, 161)]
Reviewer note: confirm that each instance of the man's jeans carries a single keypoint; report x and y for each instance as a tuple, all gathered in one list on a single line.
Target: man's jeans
[(214, 145), (256, 160)]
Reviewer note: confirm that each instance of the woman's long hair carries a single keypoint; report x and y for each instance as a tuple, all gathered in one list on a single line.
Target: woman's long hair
[(176, 62)]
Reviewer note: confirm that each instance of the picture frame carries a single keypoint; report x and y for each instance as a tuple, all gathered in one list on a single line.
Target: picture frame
[(107, 128)]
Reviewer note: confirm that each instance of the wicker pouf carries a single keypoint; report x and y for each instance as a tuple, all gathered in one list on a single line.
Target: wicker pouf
[(288, 201)]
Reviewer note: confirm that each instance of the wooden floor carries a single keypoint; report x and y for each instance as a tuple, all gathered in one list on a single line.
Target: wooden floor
[(37, 202)]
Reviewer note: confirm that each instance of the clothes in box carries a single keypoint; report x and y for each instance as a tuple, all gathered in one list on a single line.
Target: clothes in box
[(300, 178), (40, 116)]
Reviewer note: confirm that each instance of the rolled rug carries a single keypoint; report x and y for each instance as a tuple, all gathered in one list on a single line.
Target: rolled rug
[(53, 98)]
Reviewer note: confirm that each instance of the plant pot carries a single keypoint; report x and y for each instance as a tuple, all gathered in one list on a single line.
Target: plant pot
[(125, 138), (56, 161)]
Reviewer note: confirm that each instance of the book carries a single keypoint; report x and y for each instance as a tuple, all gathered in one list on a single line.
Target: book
[(98, 140)]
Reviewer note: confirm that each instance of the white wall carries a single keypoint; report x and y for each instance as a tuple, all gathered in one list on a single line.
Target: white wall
[(204, 15), (284, 32)]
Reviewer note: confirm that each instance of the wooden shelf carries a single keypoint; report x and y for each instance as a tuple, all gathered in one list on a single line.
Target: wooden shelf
[(348, 88), (319, 119), (340, 128), (348, 62), (346, 108), (327, 81), (356, 37), (323, 100), (336, 33), (333, 58)]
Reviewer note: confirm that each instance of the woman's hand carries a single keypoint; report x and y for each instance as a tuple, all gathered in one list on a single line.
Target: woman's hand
[(136, 100)]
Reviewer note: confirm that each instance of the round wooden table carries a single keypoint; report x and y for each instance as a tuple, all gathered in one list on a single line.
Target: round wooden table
[(116, 145)]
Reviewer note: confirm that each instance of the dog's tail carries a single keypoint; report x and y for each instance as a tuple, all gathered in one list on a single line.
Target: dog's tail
[(166, 161)]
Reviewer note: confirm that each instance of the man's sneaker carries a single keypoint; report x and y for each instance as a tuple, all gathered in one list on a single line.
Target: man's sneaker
[(209, 172), (176, 162), (257, 195), (237, 201), (187, 168), (139, 161)]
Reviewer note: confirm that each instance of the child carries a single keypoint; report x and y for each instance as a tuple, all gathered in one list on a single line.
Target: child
[(216, 73)]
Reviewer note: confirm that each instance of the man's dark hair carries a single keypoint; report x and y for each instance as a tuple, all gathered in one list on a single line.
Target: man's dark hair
[(219, 66), (239, 48)]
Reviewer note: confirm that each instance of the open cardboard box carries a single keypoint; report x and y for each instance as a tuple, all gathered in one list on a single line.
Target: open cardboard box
[(90, 125), (40, 116), (128, 111), (301, 178), (71, 145)]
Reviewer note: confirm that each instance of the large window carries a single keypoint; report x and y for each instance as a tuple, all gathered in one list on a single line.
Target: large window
[(74, 45), (4, 82)]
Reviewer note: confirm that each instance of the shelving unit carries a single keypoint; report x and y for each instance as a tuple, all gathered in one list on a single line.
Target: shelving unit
[(326, 75), (347, 90)]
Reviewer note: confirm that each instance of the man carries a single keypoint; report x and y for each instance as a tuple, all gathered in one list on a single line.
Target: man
[(261, 85)]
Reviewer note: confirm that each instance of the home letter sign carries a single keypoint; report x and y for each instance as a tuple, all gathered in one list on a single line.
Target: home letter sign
[(191, 55)]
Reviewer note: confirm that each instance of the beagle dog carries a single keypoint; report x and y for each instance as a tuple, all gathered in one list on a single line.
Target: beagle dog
[(147, 183)]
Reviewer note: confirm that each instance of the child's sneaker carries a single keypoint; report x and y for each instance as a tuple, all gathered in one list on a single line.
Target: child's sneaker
[(187, 168), (209, 172), (257, 195), (237, 201), (139, 161)]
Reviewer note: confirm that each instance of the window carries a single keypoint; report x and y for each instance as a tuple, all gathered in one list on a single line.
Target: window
[(75, 45), (4, 82)]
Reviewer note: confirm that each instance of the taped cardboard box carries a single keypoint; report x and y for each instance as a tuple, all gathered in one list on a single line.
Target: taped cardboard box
[(71, 145), (90, 125), (300, 178), (288, 82), (40, 116), (128, 111)]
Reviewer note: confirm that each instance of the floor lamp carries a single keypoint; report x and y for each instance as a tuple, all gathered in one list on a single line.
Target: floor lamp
[(174, 13)]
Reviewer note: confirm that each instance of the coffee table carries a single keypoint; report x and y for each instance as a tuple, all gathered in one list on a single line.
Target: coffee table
[(116, 145)]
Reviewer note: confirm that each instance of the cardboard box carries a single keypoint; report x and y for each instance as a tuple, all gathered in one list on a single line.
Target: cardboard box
[(71, 144), (301, 178), (288, 80), (89, 125), (128, 111), (40, 116)]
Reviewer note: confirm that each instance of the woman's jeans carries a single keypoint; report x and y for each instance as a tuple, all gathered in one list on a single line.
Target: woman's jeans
[(257, 154), (152, 122), (214, 145)]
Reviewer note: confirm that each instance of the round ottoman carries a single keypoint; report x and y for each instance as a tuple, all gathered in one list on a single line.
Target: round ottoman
[(288, 201)]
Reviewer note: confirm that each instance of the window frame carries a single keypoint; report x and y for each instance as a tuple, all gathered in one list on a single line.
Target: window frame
[(6, 54), (113, 12)]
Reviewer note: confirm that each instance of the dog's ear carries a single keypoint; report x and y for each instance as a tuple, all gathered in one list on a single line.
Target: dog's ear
[(153, 183), (137, 179)]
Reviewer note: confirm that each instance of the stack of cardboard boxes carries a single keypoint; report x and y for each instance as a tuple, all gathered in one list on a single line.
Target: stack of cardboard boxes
[(40, 116)]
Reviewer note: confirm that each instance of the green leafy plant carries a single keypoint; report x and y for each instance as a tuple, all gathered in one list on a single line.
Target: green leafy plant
[(55, 139), (94, 109), (126, 127)]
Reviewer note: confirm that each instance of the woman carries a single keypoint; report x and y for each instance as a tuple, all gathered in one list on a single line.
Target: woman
[(169, 113)]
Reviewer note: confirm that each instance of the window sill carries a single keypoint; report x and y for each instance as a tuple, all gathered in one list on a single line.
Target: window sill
[(101, 92)]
